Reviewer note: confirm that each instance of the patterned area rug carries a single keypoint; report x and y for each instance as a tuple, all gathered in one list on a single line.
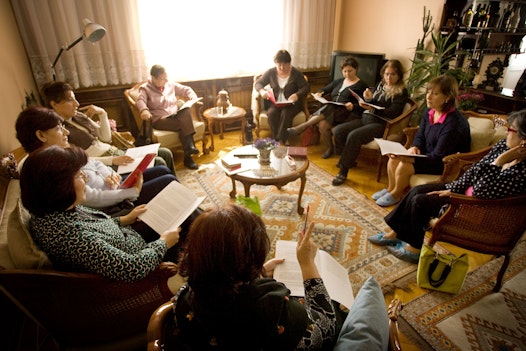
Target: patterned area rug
[(476, 318), (344, 219)]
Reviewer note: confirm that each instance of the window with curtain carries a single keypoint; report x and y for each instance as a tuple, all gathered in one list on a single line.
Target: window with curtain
[(201, 39)]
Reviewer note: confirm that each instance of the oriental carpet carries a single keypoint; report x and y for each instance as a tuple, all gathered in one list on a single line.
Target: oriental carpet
[(476, 318), (343, 218)]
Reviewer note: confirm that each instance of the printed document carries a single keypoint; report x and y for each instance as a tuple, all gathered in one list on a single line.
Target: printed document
[(171, 207), (138, 154), (334, 275), (391, 147), (360, 100), (325, 101)]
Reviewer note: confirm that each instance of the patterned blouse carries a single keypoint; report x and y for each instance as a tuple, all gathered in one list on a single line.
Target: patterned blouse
[(270, 319), (490, 181), (87, 240)]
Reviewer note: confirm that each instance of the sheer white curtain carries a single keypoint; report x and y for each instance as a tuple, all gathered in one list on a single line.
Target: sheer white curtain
[(195, 40), (46, 26)]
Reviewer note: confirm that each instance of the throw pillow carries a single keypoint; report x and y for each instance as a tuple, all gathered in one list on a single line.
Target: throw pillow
[(367, 325), (24, 252), (482, 131)]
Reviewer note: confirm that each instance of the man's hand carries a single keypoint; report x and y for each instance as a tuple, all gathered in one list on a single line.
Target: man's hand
[(146, 115), (121, 160)]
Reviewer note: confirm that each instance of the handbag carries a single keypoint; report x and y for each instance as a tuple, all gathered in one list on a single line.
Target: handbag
[(441, 272), (122, 140), (311, 136), (145, 136)]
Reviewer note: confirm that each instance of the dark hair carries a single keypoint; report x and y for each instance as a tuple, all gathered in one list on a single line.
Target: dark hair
[(32, 120), (157, 70), (55, 91), (449, 87), (226, 247), (349, 61), (47, 180), (282, 56), (519, 117)]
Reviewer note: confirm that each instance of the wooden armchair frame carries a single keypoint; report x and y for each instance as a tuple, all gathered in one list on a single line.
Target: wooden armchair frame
[(486, 226), (85, 310), (394, 131), (160, 326), (195, 111)]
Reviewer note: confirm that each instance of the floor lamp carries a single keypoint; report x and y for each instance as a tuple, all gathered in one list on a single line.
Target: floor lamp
[(92, 31)]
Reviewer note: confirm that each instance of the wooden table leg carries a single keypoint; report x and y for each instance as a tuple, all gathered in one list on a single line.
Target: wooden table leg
[(302, 187), (211, 131), (233, 192), (243, 127)]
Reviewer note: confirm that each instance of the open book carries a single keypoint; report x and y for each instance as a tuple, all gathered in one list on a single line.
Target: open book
[(138, 154), (141, 167), (190, 103), (362, 101), (325, 101), (272, 98), (169, 209), (391, 147), (334, 275)]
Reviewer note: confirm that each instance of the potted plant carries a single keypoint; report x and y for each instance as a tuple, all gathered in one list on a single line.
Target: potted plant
[(468, 100), (265, 146)]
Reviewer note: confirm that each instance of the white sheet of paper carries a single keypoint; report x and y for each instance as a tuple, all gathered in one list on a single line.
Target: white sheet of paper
[(169, 209), (334, 275), (138, 154), (391, 147)]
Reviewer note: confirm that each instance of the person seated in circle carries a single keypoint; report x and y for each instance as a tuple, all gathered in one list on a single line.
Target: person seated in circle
[(77, 238), (500, 173), (84, 132), (443, 131), (287, 84), (330, 115), (349, 137)]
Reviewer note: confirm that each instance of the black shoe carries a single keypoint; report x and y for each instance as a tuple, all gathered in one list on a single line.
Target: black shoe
[(327, 153), (339, 180), (189, 162), (193, 151)]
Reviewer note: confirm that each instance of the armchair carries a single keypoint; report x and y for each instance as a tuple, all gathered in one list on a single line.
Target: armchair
[(485, 130), (394, 131), (167, 138), (487, 226), (260, 114), (161, 327)]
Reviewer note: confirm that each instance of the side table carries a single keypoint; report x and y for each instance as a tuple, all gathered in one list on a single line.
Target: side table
[(233, 114)]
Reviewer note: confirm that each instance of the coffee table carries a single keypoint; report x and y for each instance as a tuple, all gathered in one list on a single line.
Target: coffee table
[(233, 114), (277, 173)]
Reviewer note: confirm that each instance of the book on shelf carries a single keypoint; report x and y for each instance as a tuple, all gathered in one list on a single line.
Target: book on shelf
[(272, 98), (137, 153), (141, 167), (392, 147), (297, 151), (325, 101), (170, 207), (335, 276), (362, 101)]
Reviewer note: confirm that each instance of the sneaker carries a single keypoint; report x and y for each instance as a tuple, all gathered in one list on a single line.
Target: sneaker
[(387, 200), (379, 194), (401, 252), (379, 239)]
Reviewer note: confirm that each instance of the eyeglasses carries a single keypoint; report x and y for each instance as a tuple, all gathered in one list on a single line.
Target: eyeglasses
[(511, 130), (83, 176)]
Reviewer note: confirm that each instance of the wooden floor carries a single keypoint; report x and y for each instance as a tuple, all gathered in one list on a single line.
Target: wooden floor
[(361, 178)]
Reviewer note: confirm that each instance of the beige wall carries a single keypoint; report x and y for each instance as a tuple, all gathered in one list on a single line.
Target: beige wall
[(391, 27), (16, 80)]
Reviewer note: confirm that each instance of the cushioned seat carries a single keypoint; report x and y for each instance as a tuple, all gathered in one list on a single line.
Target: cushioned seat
[(168, 138)]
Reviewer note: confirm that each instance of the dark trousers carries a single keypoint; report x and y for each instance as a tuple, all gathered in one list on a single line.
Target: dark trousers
[(410, 218), (180, 122), (280, 118)]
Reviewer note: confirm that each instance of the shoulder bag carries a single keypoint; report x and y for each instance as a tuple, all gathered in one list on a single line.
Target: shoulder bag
[(145, 135), (441, 272)]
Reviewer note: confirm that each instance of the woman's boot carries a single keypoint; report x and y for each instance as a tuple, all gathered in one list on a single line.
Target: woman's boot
[(301, 127)]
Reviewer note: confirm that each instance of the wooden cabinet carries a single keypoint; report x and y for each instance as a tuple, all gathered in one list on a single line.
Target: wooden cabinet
[(485, 28)]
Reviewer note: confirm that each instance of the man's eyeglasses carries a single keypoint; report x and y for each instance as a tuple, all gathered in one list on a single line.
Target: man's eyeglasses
[(511, 130)]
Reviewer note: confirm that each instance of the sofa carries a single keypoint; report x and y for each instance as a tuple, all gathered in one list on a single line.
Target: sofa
[(78, 310)]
